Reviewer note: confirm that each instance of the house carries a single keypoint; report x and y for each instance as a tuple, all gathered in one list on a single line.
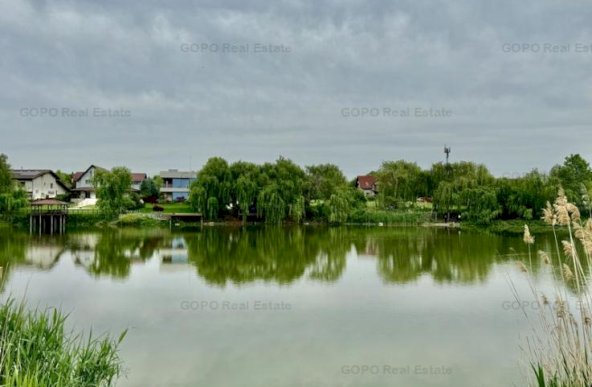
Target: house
[(82, 186), (175, 184), (367, 184), (137, 179), (40, 183), (84, 189)]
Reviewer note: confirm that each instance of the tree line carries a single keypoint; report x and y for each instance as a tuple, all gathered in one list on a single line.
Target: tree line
[(284, 191)]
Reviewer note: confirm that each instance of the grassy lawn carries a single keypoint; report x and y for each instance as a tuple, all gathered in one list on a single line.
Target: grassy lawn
[(169, 208)]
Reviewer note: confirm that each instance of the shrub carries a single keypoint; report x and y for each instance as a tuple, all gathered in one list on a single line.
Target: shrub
[(36, 351)]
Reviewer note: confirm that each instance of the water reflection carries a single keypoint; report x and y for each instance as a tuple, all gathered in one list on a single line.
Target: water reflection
[(281, 255)]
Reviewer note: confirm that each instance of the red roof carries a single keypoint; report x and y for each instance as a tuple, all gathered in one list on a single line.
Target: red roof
[(366, 182), (76, 176), (138, 177)]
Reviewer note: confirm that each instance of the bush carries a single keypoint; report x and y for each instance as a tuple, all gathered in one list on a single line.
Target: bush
[(36, 351)]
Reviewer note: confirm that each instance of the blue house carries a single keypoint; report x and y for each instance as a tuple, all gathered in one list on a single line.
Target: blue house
[(175, 184)]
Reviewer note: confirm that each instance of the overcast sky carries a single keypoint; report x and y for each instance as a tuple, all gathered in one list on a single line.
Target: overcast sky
[(192, 82)]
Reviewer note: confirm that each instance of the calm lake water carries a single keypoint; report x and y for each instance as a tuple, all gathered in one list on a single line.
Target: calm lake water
[(290, 306)]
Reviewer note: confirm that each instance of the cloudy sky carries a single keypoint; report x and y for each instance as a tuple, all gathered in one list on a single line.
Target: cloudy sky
[(345, 81)]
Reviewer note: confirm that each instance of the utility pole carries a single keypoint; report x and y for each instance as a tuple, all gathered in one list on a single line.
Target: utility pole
[(447, 150)]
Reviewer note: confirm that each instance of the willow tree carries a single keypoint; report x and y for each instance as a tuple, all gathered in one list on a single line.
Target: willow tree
[(398, 181), (339, 206), (213, 182), (245, 177), (323, 181), (12, 196), (112, 190), (271, 205)]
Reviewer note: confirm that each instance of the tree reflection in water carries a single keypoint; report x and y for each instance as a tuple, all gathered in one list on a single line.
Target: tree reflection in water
[(283, 255)]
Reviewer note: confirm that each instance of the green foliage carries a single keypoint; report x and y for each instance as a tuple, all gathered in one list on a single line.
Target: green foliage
[(398, 217), (150, 187), (36, 351), (112, 188), (210, 192), (323, 181), (271, 205), (6, 184), (12, 197), (524, 197), (481, 204), (12, 202), (65, 178), (571, 175), (398, 182), (343, 202)]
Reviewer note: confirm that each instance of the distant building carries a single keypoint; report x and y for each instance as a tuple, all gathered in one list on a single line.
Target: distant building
[(84, 189), (137, 179), (175, 184), (367, 184), (40, 183)]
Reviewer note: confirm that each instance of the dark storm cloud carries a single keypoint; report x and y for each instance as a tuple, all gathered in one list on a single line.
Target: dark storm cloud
[(511, 110)]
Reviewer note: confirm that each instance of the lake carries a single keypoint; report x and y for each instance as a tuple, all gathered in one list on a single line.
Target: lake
[(290, 306)]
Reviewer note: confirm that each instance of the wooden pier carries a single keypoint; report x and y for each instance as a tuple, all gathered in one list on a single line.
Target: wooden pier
[(48, 216), (184, 217)]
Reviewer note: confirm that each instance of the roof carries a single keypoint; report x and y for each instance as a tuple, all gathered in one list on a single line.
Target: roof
[(176, 174), (28, 174), (366, 182), (77, 175), (138, 177), (31, 174)]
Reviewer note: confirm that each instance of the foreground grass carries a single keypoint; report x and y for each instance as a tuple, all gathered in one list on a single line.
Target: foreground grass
[(35, 351), (560, 347)]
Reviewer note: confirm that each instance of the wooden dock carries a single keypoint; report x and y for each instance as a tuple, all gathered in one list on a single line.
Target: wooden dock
[(174, 218), (48, 216)]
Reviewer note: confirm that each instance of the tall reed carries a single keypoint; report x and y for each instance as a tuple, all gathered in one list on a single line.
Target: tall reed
[(35, 350), (559, 350)]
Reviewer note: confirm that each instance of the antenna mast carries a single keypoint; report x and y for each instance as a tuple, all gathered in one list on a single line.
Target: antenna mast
[(447, 151)]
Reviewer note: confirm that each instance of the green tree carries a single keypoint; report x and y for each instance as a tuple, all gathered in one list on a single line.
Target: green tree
[(149, 188), (213, 182), (323, 181), (340, 205), (65, 178), (12, 196), (398, 182), (245, 187), (6, 183), (113, 188), (574, 172)]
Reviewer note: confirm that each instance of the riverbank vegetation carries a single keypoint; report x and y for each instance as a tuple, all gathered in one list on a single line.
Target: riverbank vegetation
[(560, 350), (36, 350), (283, 191)]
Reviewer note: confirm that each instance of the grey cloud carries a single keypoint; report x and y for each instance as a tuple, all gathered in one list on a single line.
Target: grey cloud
[(188, 106)]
